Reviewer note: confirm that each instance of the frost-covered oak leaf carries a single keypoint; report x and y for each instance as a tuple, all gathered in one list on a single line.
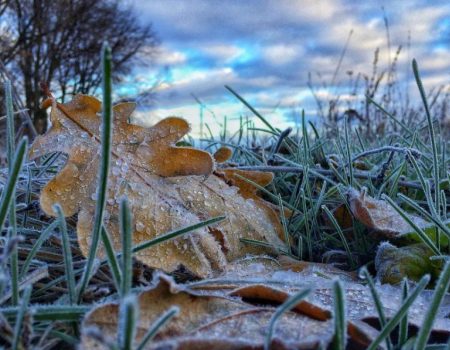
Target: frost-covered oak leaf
[(168, 187), (380, 216)]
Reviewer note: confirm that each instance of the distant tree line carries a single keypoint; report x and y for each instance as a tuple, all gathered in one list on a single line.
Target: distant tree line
[(59, 43)]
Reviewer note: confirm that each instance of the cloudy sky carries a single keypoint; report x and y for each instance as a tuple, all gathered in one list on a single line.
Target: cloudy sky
[(265, 49)]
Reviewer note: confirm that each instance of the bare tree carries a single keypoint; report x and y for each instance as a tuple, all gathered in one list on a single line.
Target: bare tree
[(58, 42)]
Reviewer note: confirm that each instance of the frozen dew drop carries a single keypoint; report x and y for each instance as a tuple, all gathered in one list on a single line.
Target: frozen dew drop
[(140, 226)]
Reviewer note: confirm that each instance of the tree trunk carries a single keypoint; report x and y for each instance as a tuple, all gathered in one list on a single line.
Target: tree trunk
[(40, 120)]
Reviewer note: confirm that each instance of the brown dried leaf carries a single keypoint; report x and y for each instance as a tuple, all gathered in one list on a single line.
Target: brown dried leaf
[(262, 292), (220, 322), (168, 187), (342, 216), (380, 216), (233, 311), (289, 263), (223, 154), (361, 311), (236, 177)]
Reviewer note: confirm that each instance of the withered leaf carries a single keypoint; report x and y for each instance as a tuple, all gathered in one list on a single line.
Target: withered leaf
[(289, 263), (232, 311), (220, 322), (237, 177), (380, 216), (223, 154), (168, 187), (319, 277), (413, 261)]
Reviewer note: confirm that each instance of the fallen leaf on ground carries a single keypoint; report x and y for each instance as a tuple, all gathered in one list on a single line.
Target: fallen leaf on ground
[(222, 154), (413, 261), (325, 269), (380, 216), (168, 187), (343, 217), (233, 310), (219, 322)]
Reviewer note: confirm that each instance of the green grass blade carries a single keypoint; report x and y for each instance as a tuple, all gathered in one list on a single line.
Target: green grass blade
[(306, 145), (20, 316), (8, 190), (284, 225), (435, 219), (265, 191), (427, 240), (50, 312), (173, 234), (377, 302), (37, 245), (340, 323), (68, 261), (431, 131), (112, 259), (262, 244), (438, 296), (105, 159), (403, 328), (9, 124), (397, 317), (128, 318), (288, 305), (157, 326), (14, 259), (341, 234), (127, 254), (390, 115), (348, 153), (318, 139), (308, 230), (249, 106)]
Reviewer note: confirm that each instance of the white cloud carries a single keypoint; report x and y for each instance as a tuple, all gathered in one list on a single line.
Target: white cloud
[(167, 57), (281, 54), (308, 10), (436, 60), (265, 48), (225, 53)]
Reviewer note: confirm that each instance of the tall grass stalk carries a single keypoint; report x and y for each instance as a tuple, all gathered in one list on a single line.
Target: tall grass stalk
[(127, 254), (111, 257), (176, 233), (105, 159), (427, 240), (398, 316), (376, 299), (440, 291), (128, 318), (7, 197), (14, 260), (68, 261), (403, 327), (433, 143), (340, 319), (20, 317)]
